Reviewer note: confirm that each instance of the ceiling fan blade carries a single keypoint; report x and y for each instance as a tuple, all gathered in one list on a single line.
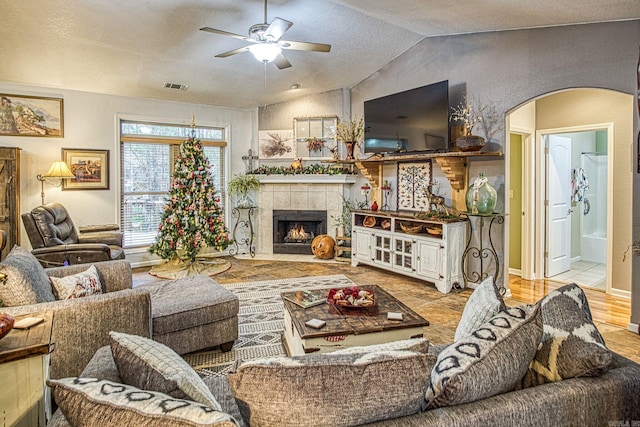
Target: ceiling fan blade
[(277, 29), (282, 62), (225, 33), (315, 47), (233, 52)]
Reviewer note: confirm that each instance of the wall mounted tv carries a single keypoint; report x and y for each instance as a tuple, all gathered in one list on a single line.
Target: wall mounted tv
[(416, 120)]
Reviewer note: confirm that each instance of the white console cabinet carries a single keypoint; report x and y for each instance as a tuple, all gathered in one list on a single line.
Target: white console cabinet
[(434, 256)]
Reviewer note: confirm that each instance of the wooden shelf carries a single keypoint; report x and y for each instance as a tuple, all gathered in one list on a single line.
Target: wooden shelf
[(452, 163)]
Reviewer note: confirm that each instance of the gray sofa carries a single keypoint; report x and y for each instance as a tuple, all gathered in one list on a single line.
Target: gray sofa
[(591, 401), (188, 315)]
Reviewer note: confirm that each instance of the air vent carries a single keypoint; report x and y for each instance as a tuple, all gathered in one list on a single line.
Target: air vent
[(176, 86)]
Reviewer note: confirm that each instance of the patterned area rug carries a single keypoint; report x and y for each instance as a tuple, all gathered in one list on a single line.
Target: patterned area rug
[(260, 322)]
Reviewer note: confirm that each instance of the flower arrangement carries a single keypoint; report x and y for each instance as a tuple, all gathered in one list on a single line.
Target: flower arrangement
[(467, 113), (315, 144), (351, 130)]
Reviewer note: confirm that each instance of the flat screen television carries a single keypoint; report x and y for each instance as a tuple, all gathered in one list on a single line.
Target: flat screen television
[(416, 120)]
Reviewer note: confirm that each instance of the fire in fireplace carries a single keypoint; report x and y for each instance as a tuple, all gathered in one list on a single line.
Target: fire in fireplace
[(294, 230)]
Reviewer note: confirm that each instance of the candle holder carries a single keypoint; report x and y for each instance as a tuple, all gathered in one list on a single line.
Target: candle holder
[(365, 190), (386, 194)]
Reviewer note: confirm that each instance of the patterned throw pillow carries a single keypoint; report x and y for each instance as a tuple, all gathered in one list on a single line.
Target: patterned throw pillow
[(25, 280), (419, 345), (331, 389), (489, 361), (484, 303), (571, 344), (150, 365), (92, 402), (77, 285)]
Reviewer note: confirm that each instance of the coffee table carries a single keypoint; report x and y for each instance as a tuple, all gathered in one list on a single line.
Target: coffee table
[(348, 327)]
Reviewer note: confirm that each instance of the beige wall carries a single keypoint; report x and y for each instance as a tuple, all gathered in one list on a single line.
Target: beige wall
[(585, 107)]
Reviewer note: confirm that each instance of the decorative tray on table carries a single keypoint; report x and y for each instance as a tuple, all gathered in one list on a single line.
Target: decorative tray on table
[(352, 297)]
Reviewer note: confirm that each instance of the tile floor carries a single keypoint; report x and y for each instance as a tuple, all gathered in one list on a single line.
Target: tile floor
[(585, 273)]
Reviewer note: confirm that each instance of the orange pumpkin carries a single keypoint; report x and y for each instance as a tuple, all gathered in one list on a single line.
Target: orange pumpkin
[(323, 246)]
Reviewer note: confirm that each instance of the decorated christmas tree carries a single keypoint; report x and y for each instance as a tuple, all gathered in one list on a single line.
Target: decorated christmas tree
[(192, 218)]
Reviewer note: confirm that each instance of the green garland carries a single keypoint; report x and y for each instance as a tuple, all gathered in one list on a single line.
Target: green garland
[(316, 169)]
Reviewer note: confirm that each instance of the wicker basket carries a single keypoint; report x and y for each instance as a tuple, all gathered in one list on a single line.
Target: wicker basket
[(410, 228), (436, 231), (369, 221)]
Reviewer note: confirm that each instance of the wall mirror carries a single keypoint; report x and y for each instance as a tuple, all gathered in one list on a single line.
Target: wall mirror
[(315, 137)]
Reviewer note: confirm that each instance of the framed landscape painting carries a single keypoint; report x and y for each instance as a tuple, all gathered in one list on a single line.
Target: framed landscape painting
[(31, 116), (91, 168)]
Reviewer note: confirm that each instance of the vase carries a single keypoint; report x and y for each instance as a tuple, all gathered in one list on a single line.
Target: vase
[(481, 197), (351, 145), (6, 324), (470, 143)]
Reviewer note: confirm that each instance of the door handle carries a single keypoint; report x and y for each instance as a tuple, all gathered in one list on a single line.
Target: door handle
[(570, 211)]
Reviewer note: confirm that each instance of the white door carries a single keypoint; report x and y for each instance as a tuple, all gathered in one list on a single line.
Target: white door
[(558, 206)]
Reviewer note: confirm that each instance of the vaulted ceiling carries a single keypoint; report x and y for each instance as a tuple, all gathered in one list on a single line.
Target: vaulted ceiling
[(133, 47)]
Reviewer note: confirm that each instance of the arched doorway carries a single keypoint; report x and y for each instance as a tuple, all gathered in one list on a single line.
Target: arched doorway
[(529, 126)]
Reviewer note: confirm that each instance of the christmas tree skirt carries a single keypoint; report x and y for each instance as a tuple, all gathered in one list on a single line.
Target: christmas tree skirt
[(177, 268)]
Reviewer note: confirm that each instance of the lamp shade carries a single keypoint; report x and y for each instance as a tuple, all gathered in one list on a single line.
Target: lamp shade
[(265, 52), (59, 170)]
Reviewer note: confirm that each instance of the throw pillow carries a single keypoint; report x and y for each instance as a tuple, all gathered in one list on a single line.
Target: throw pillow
[(489, 361), (419, 345), (77, 285), (150, 365), (331, 389), (484, 303), (92, 402), (571, 344), (25, 280)]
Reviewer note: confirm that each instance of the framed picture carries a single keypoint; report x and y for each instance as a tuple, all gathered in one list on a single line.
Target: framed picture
[(276, 144), (91, 168), (413, 180), (31, 116)]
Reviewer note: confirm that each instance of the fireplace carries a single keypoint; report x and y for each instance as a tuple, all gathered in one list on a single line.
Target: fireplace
[(294, 230)]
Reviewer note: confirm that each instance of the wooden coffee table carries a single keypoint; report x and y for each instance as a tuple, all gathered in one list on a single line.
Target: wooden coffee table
[(348, 327)]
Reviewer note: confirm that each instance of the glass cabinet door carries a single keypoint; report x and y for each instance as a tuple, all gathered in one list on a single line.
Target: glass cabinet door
[(403, 254), (382, 248)]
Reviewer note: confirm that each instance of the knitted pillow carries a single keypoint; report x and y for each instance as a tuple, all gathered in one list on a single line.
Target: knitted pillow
[(77, 285), (484, 303), (330, 389), (150, 365), (489, 361), (419, 345), (25, 281), (93, 402), (571, 344)]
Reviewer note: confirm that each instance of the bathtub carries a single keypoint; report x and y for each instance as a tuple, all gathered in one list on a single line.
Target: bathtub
[(593, 247)]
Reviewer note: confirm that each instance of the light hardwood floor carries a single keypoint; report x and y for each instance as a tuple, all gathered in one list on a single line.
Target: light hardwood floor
[(611, 314)]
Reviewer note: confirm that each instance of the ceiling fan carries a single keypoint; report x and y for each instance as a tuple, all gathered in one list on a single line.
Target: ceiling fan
[(266, 43)]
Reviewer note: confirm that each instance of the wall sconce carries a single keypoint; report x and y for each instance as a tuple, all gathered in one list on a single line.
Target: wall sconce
[(54, 176)]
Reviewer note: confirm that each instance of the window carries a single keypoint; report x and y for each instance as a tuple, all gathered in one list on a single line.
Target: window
[(147, 157)]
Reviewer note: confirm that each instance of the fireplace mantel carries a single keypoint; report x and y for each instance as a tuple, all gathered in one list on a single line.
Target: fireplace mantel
[(307, 179)]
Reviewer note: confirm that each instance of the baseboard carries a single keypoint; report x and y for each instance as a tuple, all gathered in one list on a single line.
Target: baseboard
[(634, 327), (620, 293), (515, 271)]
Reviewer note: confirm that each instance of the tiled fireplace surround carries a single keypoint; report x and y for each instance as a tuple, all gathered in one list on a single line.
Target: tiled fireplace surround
[(307, 192)]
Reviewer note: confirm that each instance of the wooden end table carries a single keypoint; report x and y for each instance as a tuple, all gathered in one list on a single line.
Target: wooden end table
[(348, 327), (24, 368)]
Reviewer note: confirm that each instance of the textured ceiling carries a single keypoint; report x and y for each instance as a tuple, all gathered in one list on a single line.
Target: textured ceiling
[(133, 47)]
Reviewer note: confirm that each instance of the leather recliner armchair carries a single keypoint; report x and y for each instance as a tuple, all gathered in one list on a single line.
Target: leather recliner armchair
[(55, 241)]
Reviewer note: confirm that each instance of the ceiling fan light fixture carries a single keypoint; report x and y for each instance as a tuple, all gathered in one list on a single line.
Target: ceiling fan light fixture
[(265, 52)]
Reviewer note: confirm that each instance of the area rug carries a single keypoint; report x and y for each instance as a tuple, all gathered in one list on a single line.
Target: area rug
[(260, 322)]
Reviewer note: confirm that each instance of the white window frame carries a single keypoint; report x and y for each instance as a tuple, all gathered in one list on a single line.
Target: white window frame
[(225, 170)]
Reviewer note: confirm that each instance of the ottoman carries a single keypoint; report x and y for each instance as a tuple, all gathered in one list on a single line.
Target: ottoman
[(193, 313)]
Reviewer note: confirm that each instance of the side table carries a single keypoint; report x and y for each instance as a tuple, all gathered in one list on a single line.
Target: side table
[(25, 399), (483, 249), (243, 234)]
